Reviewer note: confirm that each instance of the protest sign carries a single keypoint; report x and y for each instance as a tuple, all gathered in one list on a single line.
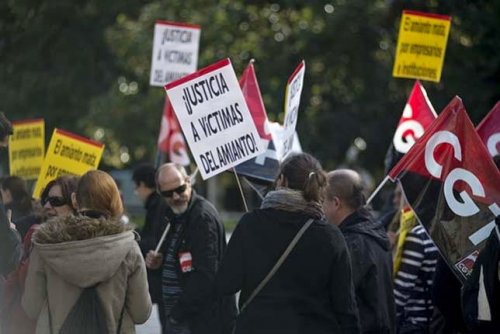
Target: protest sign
[(67, 154), (292, 101), (175, 51), (27, 148), (421, 45), (418, 114), (489, 130), (214, 118), (451, 183)]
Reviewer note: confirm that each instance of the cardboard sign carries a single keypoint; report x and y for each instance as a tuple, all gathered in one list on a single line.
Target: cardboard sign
[(27, 148), (67, 154), (421, 45), (214, 118), (292, 102), (175, 51)]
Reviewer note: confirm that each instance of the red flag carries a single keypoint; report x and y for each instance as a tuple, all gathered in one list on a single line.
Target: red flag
[(170, 139), (489, 130), (264, 167), (453, 186), (418, 114), (251, 92)]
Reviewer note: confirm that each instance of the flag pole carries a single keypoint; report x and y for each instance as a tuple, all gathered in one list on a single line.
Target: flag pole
[(241, 189), (372, 196), (254, 188), (162, 239)]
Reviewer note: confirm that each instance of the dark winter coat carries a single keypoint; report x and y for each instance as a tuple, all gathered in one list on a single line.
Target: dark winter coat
[(202, 236), (481, 291), (10, 246), (155, 216), (372, 271), (311, 292)]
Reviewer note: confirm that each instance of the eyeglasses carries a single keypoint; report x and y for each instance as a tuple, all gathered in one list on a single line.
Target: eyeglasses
[(54, 201), (169, 193)]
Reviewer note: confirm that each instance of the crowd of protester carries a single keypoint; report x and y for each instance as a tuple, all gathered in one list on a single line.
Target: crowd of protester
[(313, 258)]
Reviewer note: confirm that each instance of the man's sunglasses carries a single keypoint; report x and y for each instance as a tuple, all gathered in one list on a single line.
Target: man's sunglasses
[(54, 201), (169, 193)]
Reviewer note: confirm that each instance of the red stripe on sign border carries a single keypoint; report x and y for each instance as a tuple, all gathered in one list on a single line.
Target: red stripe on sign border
[(79, 138), (297, 69), (431, 15), (178, 24), (26, 121), (199, 73)]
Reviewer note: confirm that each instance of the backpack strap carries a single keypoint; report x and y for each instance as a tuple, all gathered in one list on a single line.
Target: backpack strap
[(278, 263)]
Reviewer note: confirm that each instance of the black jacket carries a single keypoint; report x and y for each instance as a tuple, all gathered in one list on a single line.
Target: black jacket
[(311, 292), (10, 246), (202, 236), (372, 271), (486, 266), (155, 216)]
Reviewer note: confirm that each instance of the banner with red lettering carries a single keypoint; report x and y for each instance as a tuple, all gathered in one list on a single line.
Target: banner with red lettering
[(170, 139), (489, 130), (418, 114), (453, 186)]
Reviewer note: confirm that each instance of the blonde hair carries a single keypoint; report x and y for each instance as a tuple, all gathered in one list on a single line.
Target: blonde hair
[(98, 191)]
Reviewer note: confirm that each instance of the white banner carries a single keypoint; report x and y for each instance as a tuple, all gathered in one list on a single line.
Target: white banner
[(175, 51), (292, 102), (215, 119)]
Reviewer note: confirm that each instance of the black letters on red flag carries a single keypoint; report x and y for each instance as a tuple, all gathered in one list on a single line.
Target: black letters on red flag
[(453, 186)]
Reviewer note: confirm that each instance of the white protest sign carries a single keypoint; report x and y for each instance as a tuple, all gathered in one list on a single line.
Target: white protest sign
[(278, 134), (175, 51), (292, 102), (214, 118)]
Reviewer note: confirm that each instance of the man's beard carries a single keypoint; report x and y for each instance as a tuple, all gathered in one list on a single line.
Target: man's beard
[(179, 209)]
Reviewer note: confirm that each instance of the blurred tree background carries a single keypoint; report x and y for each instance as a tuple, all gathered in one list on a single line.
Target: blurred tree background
[(83, 65)]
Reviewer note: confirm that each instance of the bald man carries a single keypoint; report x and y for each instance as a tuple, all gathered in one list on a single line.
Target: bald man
[(369, 249), (189, 258)]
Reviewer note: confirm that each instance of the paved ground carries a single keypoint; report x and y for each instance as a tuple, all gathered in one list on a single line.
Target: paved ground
[(152, 326)]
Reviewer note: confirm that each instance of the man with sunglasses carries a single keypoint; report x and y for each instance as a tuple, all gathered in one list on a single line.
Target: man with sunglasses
[(189, 257)]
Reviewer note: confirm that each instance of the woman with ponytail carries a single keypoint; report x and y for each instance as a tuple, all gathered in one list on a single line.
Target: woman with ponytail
[(285, 260)]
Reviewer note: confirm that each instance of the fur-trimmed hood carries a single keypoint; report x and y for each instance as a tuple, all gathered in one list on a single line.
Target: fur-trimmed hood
[(83, 250)]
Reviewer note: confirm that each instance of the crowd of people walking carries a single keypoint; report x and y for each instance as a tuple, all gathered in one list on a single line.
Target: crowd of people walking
[(313, 258)]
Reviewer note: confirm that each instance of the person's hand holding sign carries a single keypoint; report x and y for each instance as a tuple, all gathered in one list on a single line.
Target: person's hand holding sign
[(154, 260)]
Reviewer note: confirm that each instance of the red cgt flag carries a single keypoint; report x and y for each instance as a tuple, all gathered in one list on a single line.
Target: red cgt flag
[(418, 114), (489, 130), (170, 139), (453, 186)]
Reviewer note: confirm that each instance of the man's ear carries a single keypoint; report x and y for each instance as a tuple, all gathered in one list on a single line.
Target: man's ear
[(74, 201)]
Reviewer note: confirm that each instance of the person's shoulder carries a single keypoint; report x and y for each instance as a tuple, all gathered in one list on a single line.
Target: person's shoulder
[(327, 232)]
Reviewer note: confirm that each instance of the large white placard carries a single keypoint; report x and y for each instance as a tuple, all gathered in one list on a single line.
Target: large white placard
[(175, 51), (214, 118), (292, 102)]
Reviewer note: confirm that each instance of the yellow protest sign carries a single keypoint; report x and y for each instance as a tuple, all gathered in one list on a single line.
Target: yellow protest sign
[(67, 154), (27, 148), (421, 46)]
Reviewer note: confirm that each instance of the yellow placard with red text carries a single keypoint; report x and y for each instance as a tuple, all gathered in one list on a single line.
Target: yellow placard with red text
[(68, 154), (27, 148), (421, 46)]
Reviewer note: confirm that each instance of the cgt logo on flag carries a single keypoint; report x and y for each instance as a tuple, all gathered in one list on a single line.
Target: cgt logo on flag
[(170, 139), (489, 130), (452, 185), (418, 114)]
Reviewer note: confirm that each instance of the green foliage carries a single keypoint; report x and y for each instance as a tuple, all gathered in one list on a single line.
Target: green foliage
[(84, 66)]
